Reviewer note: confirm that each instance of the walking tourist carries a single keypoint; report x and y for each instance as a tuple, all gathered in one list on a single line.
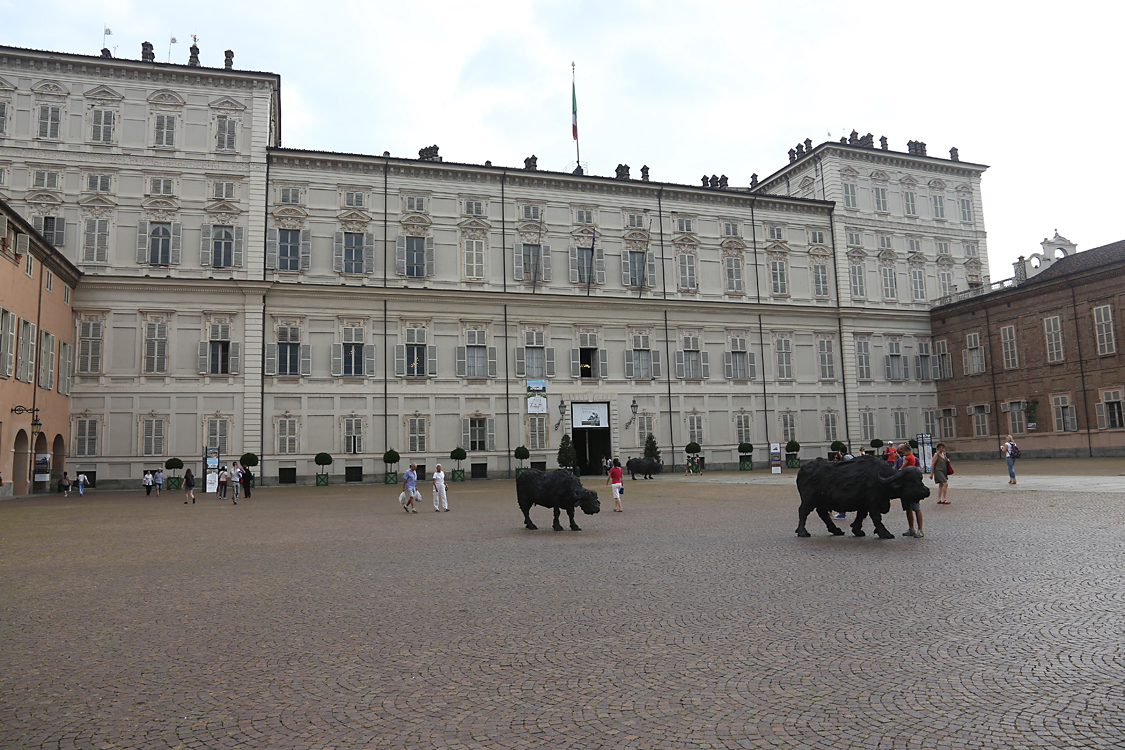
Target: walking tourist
[(147, 482), (939, 472), (1009, 451), (247, 480), (189, 487), (614, 481), (158, 481), (439, 490), (82, 482), (224, 478), (236, 481), (64, 483), (410, 488)]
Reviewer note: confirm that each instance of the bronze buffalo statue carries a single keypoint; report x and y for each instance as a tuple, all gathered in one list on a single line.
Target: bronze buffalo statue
[(865, 486), (560, 490)]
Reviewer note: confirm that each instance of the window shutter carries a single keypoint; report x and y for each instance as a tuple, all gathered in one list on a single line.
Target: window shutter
[(519, 362), (89, 240), (461, 367), (142, 242), (235, 357), (271, 248), (369, 360), (400, 255), (205, 245), (918, 368), (60, 231), (517, 261), (429, 257), (545, 261), (431, 360), (271, 358), (599, 266), (650, 274), (37, 223), (628, 363), (575, 363), (400, 360), (706, 366), (306, 360), (490, 426), (239, 245), (369, 252), (965, 360), (337, 360), (96, 352), (655, 363), (338, 252), (466, 433), (491, 361), (306, 249), (679, 364), (625, 275), (203, 358), (887, 365), (1099, 409), (177, 242), (573, 254), (603, 363), (549, 356), (728, 365)]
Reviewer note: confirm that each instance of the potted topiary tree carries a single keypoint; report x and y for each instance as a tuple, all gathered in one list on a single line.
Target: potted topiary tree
[(793, 454), (522, 454), (250, 460), (322, 460), (838, 446), (745, 457), (458, 455), (568, 456), (391, 458), (912, 443), (173, 482), (876, 443), (693, 449)]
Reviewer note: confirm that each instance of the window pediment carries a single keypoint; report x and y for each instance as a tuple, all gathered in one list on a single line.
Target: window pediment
[(474, 224), (777, 247), (807, 182), (887, 255), (160, 204), (98, 200), (819, 252), (856, 255), (166, 97), (732, 245), (880, 176), (50, 88), (582, 235), (945, 261), (916, 259), (908, 181), (5, 86), (636, 235), (44, 197), (358, 217), (848, 173), (229, 104), (104, 93), (937, 185), (290, 212)]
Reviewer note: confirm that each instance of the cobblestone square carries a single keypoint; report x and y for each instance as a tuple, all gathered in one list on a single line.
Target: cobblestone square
[(329, 618)]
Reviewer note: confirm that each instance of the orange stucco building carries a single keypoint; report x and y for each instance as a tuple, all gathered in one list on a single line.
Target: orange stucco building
[(36, 356)]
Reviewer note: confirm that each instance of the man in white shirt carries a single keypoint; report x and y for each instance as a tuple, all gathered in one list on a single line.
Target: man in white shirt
[(236, 481), (439, 490)]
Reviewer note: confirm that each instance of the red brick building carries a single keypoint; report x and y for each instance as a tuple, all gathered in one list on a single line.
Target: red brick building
[(1038, 356)]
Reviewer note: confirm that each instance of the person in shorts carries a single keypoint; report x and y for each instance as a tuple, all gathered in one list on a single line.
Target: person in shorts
[(410, 489), (158, 481), (913, 509), (189, 487), (614, 481), (64, 483)]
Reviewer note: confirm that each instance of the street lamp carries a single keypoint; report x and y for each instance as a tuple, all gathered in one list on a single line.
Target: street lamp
[(562, 413), (632, 408), (36, 428)]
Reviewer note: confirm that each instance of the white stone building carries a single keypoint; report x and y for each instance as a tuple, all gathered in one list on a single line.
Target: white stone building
[(288, 302)]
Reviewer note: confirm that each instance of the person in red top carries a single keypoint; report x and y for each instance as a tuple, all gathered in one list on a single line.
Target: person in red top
[(908, 458), (614, 480), (913, 510), (890, 455)]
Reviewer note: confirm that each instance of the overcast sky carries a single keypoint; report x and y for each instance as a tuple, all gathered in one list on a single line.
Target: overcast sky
[(1032, 89)]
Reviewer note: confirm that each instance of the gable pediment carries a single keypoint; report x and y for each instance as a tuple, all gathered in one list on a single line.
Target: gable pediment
[(104, 93), (223, 207), (166, 96), (44, 197), (848, 172), (637, 234), (686, 239), (97, 200), (909, 181), (937, 184), (733, 243), (290, 212), (582, 233), (880, 176), (5, 86), (353, 215), (160, 204), (474, 224), (778, 247), (228, 103), (807, 182), (50, 88)]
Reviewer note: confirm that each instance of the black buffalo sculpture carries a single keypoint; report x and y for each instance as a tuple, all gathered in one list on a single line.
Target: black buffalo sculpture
[(560, 490), (865, 485), (644, 466)]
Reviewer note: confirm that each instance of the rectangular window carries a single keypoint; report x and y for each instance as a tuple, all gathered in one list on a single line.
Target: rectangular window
[(1017, 418), (165, 130), (46, 360), (103, 126), (918, 284), (739, 362), (288, 250), (225, 130), (218, 434), (152, 437), (289, 195), (890, 287), (531, 213), (353, 199), (939, 206), (89, 347), (162, 186), (913, 244), (353, 338), (885, 242), (687, 271), (46, 179), (929, 422), (925, 364), (695, 428), (537, 433), (970, 251), (1066, 420), (29, 265), (980, 421), (947, 423), (909, 206), (684, 226), (222, 247), (743, 431), (784, 350), (827, 355), (849, 195), (693, 360), (288, 350), (416, 434), (416, 352), (867, 425), (641, 362), (474, 208), (3, 120), (287, 436), (895, 369), (820, 279), (788, 426), (1109, 411), (638, 269), (156, 348), (945, 360), (85, 438), (855, 239), (474, 258), (532, 261), (65, 368), (353, 252), (966, 209), (900, 425), (353, 435), (858, 273), (863, 360), (224, 190), (99, 183), (53, 229), (66, 295), (816, 236), (779, 277), (50, 120), (880, 199), (1103, 329), (973, 355), (159, 243), (733, 267), (415, 257), (1053, 330), (584, 216), (1008, 343), (945, 280), (943, 248), (478, 435), (416, 204), (635, 221), (731, 229), (776, 233)]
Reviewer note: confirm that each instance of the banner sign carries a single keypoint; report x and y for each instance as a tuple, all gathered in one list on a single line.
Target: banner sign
[(536, 396), (925, 453), (584, 416), (211, 459), (775, 458), (42, 467)]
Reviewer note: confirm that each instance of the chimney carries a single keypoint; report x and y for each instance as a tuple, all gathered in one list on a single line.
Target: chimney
[(723, 181), (853, 139), (800, 150), (229, 64), (714, 180), (193, 59), (704, 180), (106, 52), (753, 180), (644, 173), (954, 155), (867, 141), (429, 153), (792, 156), (531, 163), (808, 145), (622, 171), (883, 142), (147, 54), (921, 148)]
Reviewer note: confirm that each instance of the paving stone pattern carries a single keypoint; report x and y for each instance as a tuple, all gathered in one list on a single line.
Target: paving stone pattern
[(328, 618)]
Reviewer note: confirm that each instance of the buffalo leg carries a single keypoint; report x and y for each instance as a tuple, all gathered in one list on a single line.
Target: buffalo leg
[(802, 516), (880, 529), (634, 476), (573, 525), (527, 517), (826, 516), (557, 526), (857, 524)]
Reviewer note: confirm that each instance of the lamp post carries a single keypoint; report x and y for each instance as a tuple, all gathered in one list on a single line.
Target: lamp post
[(36, 428), (562, 412), (632, 408)]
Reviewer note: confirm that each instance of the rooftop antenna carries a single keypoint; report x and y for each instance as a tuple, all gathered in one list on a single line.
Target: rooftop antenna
[(171, 40)]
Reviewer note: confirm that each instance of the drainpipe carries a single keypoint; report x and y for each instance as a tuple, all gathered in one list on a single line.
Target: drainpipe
[(761, 333), (1081, 371)]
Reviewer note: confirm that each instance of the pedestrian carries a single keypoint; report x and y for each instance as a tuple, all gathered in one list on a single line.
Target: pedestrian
[(236, 481), (939, 472), (189, 487), (147, 482), (891, 455), (913, 509), (247, 480), (64, 483), (82, 482), (158, 480), (439, 490), (1009, 451), (224, 477), (410, 488), (614, 481), (906, 453)]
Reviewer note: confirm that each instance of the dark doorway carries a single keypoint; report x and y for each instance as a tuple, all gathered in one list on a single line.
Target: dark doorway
[(541, 465), (287, 475), (479, 471), (592, 446), (353, 473)]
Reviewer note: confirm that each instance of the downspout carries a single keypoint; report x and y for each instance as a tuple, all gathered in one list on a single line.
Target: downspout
[(992, 367), (668, 377), (669, 363), (1081, 371), (262, 379), (38, 343), (839, 307), (761, 334), (507, 396), (504, 239), (386, 396), (386, 207), (663, 260)]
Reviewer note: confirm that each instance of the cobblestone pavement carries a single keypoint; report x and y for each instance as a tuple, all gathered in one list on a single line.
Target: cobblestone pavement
[(328, 618)]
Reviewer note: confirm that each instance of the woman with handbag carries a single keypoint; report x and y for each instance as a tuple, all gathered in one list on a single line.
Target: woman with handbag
[(940, 472), (1010, 453)]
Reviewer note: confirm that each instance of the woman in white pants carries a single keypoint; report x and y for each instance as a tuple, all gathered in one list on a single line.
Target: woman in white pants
[(439, 490)]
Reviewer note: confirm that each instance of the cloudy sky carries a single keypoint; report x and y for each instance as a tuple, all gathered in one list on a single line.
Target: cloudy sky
[(1032, 89)]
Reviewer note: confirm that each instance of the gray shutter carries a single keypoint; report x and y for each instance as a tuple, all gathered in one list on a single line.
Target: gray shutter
[(60, 231), (369, 252), (650, 274), (603, 363), (887, 365), (177, 243), (37, 224), (549, 356), (917, 367), (520, 369), (369, 360), (429, 257), (239, 246), (271, 248), (431, 360), (466, 436), (655, 363), (728, 365), (271, 359), (625, 268), (964, 361), (234, 360), (935, 367), (490, 427), (705, 363), (599, 266), (492, 361), (204, 357), (400, 255), (306, 249), (628, 363), (517, 261), (679, 364), (1099, 409), (142, 242), (575, 363), (337, 360), (306, 360), (573, 251), (338, 258), (461, 367), (400, 360), (545, 261), (205, 245), (89, 238)]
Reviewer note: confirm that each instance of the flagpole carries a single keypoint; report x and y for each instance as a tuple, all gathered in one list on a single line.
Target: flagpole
[(574, 101)]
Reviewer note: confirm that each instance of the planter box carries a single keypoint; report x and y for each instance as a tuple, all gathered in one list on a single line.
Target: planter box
[(792, 460), (390, 477), (321, 480), (457, 475), (745, 464), (173, 483), (520, 470)]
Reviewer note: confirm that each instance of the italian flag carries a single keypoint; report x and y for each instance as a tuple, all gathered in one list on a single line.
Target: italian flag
[(574, 115)]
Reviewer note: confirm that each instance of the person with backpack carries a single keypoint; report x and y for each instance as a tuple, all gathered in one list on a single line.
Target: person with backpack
[(189, 487), (1010, 451)]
